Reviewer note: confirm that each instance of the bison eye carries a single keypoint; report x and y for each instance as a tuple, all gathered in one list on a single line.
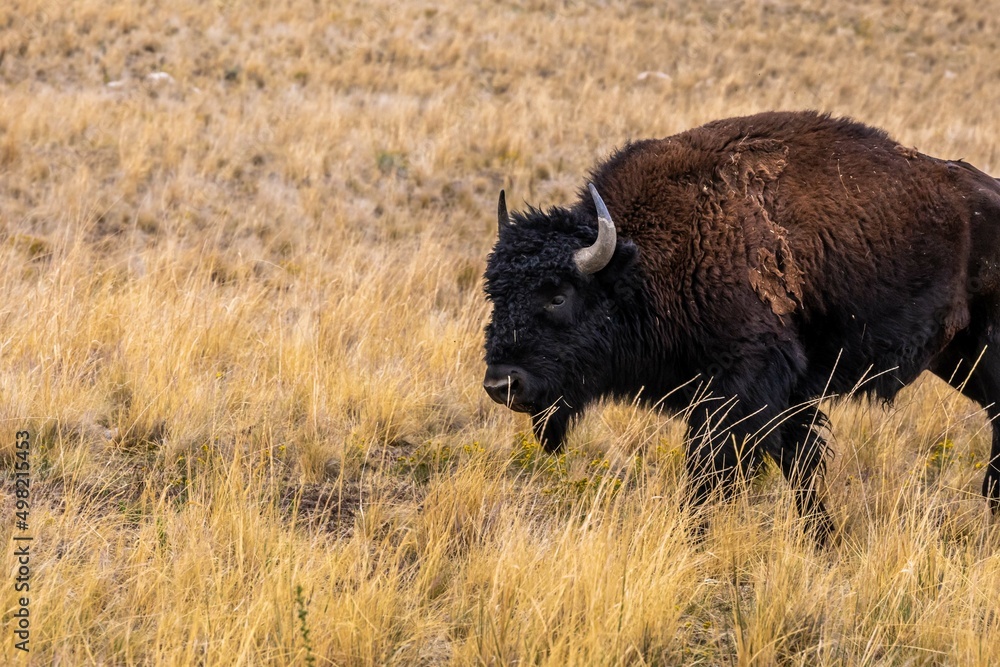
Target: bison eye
[(557, 301)]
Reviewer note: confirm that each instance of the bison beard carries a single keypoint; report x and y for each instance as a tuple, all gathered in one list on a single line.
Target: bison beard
[(742, 271)]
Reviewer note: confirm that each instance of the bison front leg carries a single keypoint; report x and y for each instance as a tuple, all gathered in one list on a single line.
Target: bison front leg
[(721, 453), (800, 456), (729, 435), (550, 426), (721, 457)]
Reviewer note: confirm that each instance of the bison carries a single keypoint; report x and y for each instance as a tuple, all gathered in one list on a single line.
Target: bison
[(741, 271)]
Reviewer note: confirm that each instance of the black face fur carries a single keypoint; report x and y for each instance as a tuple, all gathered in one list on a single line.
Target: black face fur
[(549, 320)]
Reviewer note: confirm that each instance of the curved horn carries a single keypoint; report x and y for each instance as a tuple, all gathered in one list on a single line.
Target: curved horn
[(503, 220), (594, 258)]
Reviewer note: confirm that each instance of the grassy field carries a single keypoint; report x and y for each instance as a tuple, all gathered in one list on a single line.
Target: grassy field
[(241, 256)]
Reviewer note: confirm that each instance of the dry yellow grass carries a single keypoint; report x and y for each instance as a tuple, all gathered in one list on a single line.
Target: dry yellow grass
[(242, 320)]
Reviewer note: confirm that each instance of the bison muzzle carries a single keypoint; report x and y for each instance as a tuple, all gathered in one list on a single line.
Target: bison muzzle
[(741, 271)]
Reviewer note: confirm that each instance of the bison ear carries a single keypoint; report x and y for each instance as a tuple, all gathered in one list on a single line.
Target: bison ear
[(619, 274), (503, 219)]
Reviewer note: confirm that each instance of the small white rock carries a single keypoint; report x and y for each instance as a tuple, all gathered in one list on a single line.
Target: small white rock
[(159, 77), (659, 75)]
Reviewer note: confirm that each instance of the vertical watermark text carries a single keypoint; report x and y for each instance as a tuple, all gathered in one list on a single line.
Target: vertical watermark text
[(22, 539)]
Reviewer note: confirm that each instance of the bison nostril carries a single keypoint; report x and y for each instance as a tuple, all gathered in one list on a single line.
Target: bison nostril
[(502, 390), (504, 384)]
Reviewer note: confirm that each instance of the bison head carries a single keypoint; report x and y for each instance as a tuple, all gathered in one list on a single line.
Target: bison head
[(555, 279)]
